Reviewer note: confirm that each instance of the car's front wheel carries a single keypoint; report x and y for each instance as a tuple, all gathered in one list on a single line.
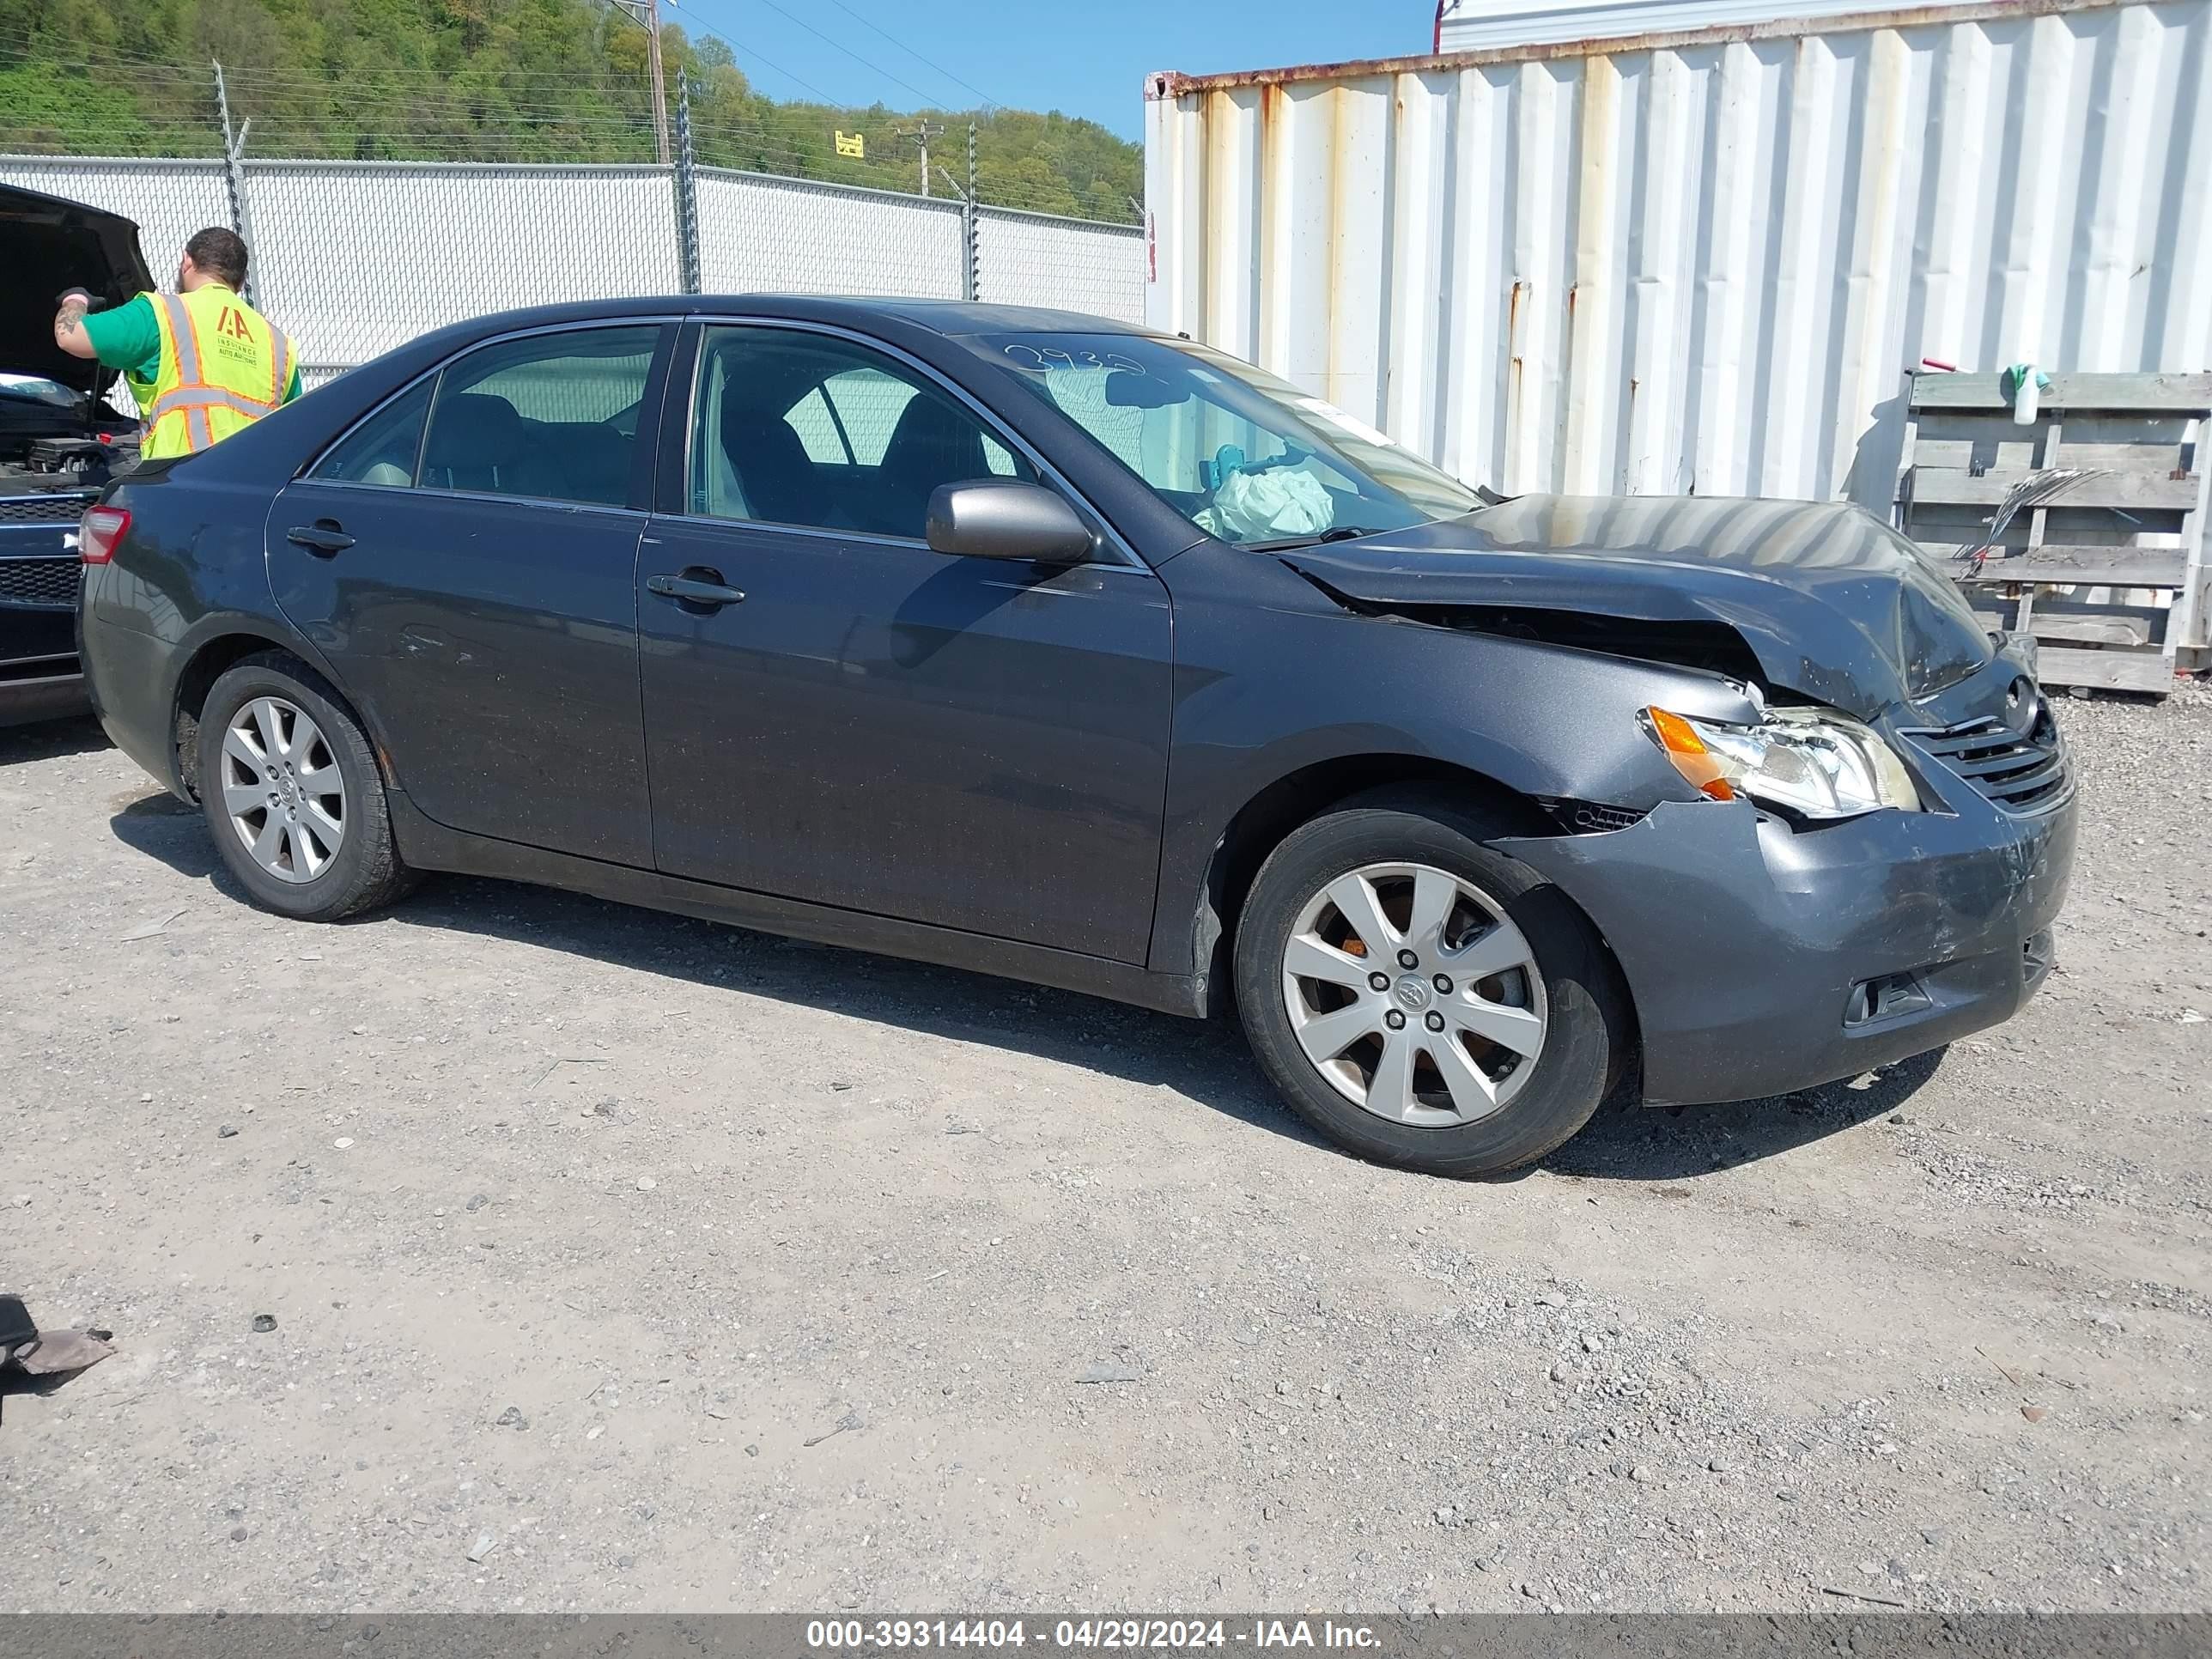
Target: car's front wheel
[(292, 793), (1421, 999)]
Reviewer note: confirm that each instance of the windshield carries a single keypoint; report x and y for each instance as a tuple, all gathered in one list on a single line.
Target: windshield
[(1244, 456), (37, 389)]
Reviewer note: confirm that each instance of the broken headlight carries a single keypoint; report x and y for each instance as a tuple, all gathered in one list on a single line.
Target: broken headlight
[(1818, 765)]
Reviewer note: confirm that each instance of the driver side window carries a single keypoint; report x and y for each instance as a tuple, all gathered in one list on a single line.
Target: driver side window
[(810, 430)]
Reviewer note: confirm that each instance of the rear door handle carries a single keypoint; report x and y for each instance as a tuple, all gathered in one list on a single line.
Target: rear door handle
[(323, 536), (695, 587)]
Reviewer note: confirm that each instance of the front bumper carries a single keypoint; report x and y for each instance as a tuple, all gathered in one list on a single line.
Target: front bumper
[(29, 695), (40, 677), (1763, 958)]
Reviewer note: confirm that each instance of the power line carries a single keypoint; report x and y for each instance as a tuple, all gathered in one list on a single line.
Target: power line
[(169, 69), (989, 103), (103, 57), (737, 46), (863, 61), (747, 50), (84, 57), (402, 113)]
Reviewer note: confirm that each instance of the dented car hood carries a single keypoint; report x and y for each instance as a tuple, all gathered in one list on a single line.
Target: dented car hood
[(1834, 604)]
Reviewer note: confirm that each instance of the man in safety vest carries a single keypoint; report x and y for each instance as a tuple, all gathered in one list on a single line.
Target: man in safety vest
[(201, 361)]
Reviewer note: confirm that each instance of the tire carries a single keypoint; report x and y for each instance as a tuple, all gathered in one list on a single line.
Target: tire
[(322, 864), (1405, 844)]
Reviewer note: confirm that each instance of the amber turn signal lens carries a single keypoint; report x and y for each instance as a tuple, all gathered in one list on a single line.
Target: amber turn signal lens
[(1688, 750)]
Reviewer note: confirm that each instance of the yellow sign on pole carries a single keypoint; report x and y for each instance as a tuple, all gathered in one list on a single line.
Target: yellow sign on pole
[(857, 144)]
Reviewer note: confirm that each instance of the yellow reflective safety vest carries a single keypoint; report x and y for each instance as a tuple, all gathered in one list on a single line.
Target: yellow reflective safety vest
[(223, 367)]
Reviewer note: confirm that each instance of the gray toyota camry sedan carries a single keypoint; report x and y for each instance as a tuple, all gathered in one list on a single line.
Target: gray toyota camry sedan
[(1040, 645)]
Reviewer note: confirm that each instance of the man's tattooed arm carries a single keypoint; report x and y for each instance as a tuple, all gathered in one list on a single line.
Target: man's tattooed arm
[(68, 325)]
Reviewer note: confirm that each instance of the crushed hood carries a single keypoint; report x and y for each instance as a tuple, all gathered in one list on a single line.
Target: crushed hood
[(47, 245), (1834, 605)]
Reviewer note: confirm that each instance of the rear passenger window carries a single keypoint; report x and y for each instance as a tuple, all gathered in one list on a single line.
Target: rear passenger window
[(550, 415)]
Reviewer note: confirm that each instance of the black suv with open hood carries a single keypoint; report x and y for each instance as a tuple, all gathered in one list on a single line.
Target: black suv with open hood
[(59, 441)]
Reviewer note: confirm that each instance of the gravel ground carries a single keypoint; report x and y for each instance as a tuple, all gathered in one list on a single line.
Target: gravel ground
[(622, 1262)]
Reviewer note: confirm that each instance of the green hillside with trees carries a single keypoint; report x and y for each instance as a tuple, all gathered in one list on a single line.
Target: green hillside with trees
[(486, 80)]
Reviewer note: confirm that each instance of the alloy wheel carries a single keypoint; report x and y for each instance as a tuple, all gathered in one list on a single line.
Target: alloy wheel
[(1413, 994), (281, 789)]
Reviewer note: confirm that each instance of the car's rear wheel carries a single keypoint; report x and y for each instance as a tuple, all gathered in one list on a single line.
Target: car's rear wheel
[(293, 795), (1421, 999)]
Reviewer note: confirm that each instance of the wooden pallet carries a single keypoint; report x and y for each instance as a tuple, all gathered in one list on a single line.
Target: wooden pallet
[(2108, 574)]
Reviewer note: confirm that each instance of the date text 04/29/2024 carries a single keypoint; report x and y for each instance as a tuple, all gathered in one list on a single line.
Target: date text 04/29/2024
[(832, 1635)]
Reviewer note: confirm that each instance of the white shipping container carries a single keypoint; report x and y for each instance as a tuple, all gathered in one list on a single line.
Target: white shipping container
[(1699, 263), (1475, 25)]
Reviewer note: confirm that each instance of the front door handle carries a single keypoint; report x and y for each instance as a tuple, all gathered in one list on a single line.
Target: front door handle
[(695, 587), (324, 536)]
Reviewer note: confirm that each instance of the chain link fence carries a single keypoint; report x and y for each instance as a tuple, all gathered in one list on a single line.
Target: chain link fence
[(783, 235), (1034, 259), (169, 200), (354, 257)]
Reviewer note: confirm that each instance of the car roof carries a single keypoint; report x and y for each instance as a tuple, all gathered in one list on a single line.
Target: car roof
[(951, 318)]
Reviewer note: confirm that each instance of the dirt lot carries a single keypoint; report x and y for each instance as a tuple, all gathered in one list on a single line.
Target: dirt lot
[(624, 1262)]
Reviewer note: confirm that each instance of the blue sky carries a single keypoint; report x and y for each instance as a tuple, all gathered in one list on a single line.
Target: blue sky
[(1080, 55)]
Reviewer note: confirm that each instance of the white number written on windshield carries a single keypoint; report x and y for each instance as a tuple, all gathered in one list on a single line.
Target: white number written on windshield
[(1039, 360)]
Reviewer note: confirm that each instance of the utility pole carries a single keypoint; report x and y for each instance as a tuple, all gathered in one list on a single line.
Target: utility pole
[(646, 14), (921, 132)]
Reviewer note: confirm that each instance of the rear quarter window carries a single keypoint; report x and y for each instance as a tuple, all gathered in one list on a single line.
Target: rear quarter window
[(383, 449)]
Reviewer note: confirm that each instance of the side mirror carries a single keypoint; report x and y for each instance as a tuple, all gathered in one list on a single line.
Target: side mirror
[(1006, 519)]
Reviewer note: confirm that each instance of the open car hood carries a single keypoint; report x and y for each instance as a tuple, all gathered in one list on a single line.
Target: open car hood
[(48, 245), (1832, 603)]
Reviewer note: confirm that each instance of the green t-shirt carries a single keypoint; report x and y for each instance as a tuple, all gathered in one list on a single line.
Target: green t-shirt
[(129, 338)]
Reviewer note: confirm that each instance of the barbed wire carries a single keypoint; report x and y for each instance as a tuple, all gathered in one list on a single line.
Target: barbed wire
[(190, 145), (81, 56), (399, 113)]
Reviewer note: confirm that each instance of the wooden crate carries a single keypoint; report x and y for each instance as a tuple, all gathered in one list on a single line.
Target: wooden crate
[(2108, 574)]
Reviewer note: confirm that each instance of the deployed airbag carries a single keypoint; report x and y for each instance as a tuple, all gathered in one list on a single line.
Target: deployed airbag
[(1259, 506)]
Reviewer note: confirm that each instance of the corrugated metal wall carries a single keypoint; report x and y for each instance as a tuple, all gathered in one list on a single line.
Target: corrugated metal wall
[(354, 258), (1697, 264)]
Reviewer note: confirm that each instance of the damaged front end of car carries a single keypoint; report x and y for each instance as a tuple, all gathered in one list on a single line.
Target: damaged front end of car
[(1866, 824)]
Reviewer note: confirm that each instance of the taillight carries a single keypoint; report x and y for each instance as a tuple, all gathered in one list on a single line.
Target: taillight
[(99, 531)]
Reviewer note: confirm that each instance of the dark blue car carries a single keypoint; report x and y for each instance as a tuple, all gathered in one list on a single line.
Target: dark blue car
[(1022, 641)]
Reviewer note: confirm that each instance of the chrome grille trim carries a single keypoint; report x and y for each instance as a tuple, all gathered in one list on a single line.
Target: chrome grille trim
[(2024, 774), (44, 509)]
